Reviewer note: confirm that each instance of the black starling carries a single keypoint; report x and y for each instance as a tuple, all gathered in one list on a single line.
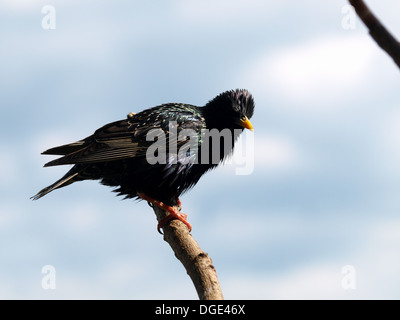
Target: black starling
[(159, 153)]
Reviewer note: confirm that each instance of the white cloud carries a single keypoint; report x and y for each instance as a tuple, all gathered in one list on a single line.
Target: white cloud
[(319, 281), (260, 151), (375, 260), (275, 152), (21, 5), (316, 71)]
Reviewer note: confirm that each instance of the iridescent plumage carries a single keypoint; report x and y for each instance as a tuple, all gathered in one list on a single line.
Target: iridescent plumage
[(117, 153)]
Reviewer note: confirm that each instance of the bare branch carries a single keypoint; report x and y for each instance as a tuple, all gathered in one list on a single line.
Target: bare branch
[(197, 263), (377, 31)]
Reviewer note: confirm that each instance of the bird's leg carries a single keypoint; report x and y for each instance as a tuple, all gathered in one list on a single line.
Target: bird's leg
[(172, 212)]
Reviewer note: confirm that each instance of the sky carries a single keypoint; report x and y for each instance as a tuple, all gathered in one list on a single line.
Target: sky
[(316, 214)]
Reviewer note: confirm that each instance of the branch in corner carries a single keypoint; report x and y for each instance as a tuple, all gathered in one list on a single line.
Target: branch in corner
[(377, 31)]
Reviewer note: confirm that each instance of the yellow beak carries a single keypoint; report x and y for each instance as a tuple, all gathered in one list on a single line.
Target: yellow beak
[(245, 123)]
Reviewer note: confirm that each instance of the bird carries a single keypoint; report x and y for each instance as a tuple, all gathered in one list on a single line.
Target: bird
[(159, 153)]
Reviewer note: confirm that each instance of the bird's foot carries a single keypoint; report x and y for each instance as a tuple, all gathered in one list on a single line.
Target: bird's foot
[(172, 212), (179, 204)]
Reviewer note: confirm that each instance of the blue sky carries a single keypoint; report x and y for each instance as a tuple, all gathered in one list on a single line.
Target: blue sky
[(324, 190)]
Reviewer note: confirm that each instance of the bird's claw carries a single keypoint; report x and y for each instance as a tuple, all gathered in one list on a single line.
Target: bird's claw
[(179, 204), (173, 215), (173, 212)]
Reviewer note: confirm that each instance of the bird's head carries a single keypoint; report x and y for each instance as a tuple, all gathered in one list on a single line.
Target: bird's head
[(231, 109)]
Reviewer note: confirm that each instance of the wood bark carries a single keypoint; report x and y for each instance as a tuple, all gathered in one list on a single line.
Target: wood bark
[(197, 263)]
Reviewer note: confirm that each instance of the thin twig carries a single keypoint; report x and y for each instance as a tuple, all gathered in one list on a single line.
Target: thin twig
[(377, 31), (197, 263)]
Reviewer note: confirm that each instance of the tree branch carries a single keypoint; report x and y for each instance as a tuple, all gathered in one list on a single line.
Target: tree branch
[(197, 263), (377, 31)]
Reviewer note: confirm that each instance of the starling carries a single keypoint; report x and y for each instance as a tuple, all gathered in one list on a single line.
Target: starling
[(159, 153)]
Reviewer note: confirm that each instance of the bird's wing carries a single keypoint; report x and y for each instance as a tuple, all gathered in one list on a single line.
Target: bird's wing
[(67, 148), (122, 139)]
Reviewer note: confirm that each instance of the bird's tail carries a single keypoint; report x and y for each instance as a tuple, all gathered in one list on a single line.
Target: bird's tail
[(70, 177)]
